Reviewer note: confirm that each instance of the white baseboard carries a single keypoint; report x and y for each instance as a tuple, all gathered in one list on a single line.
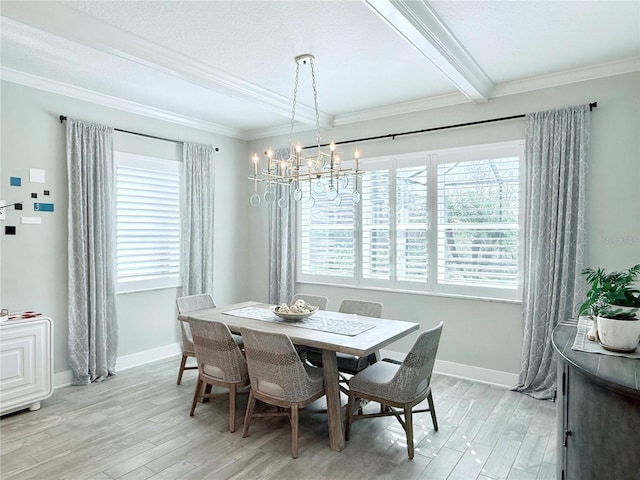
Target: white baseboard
[(62, 379), (148, 356), (459, 370), (467, 372)]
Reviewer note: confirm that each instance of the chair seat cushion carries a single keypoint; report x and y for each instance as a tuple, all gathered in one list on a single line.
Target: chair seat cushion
[(373, 379), (346, 363)]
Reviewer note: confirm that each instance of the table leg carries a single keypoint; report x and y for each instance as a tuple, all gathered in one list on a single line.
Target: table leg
[(332, 392)]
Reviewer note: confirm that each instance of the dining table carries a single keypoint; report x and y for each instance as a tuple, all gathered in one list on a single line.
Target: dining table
[(328, 331)]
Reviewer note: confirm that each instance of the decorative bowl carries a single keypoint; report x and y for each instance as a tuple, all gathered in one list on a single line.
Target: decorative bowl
[(293, 317)]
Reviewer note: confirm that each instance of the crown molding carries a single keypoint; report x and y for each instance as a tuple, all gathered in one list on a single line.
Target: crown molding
[(567, 77), (65, 22), (438, 101), (540, 82), (90, 96), (421, 26)]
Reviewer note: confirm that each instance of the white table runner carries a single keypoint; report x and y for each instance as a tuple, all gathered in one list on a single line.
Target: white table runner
[(583, 344), (322, 320)]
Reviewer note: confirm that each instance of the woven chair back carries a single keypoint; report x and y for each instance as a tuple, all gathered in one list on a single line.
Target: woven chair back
[(315, 300), (275, 369), (189, 304), (362, 307), (217, 352), (414, 375)]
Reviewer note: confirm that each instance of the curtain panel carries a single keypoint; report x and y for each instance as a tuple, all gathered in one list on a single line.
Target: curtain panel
[(197, 202), (93, 326), (282, 242), (556, 162)]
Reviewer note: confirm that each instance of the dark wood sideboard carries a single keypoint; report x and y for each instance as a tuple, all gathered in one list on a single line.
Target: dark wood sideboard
[(598, 403)]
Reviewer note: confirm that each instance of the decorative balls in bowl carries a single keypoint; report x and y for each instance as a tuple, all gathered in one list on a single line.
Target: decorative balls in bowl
[(296, 311)]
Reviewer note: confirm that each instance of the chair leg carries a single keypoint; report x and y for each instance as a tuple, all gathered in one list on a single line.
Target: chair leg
[(408, 420), (294, 430), (432, 409), (247, 417), (183, 362), (347, 428), (207, 391), (232, 408), (196, 396)]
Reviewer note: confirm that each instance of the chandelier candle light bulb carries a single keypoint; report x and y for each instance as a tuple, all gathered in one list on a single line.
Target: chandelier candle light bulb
[(290, 174)]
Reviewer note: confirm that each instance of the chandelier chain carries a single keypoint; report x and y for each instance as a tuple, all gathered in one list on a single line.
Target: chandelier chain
[(293, 109), (315, 101)]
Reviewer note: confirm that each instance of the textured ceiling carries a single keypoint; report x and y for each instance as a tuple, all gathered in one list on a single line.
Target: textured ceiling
[(227, 66)]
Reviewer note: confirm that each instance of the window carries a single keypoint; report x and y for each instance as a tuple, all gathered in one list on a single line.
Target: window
[(447, 222), (147, 223)]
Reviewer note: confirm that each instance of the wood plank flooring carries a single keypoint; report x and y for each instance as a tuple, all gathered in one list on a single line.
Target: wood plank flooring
[(136, 425)]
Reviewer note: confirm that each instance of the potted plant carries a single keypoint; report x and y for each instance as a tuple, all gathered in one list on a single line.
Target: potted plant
[(613, 302)]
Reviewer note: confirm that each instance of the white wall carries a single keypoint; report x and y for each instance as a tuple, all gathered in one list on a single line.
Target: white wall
[(33, 270), (481, 334)]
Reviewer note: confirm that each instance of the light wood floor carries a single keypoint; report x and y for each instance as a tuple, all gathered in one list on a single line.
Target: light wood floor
[(136, 425)]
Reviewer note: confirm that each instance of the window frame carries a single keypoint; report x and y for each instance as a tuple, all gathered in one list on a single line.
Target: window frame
[(158, 164), (431, 286)]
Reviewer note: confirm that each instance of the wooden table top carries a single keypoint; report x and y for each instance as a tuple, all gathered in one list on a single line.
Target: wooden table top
[(385, 331)]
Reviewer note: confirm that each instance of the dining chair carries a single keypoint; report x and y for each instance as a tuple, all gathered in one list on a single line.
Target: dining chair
[(279, 378), (315, 300), (189, 304), (400, 385), (220, 363), (350, 364)]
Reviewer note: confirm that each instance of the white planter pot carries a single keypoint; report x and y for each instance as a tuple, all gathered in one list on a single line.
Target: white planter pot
[(619, 335)]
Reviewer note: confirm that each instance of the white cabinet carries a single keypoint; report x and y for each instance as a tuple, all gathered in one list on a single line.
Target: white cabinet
[(26, 364)]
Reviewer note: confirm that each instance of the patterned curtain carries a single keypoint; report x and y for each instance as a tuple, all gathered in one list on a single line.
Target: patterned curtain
[(556, 157), (282, 243), (197, 219), (93, 326)]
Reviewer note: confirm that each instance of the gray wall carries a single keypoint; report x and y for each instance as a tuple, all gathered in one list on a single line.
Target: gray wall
[(480, 333), (33, 271)]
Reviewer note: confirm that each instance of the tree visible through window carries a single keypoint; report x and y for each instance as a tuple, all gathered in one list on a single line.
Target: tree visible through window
[(478, 212)]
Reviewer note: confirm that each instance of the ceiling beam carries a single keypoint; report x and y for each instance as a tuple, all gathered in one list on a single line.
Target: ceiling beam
[(419, 25), (65, 22)]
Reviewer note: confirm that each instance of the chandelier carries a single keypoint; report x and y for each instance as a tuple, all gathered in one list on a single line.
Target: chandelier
[(305, 176)]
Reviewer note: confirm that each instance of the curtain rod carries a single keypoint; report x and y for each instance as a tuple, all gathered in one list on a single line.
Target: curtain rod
[(592, 105), (64, 118)]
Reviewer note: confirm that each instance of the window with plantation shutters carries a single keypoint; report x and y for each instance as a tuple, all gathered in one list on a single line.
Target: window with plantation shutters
[(478, 216), (442, 222), (327, 239), (376, 225), (148, 222), (412, 258)]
